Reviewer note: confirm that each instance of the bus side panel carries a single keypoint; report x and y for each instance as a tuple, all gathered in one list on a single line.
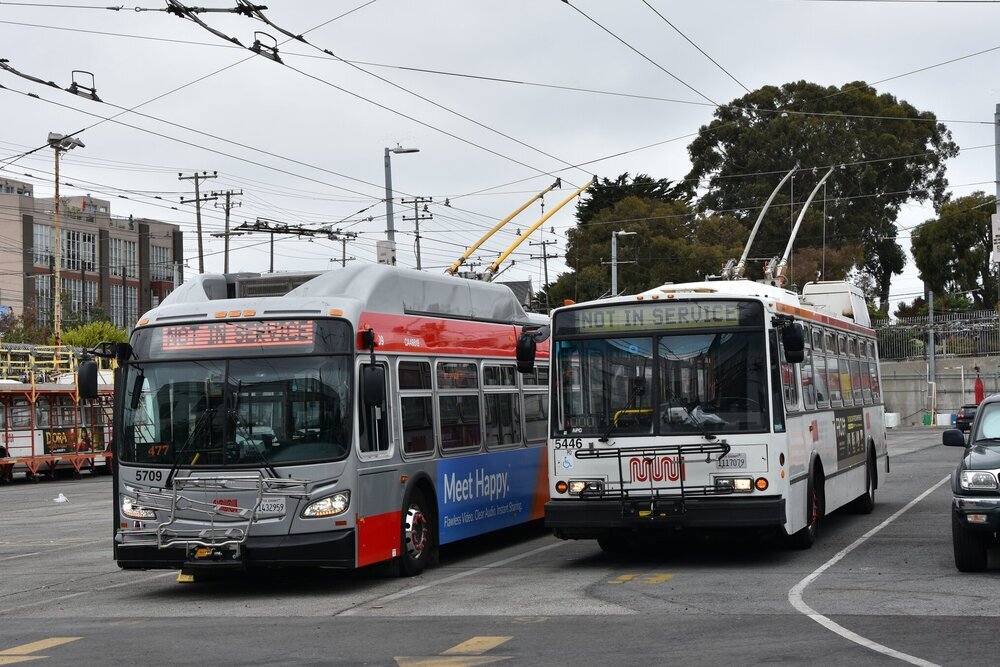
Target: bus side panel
[(481, 493), (378, 537), (379, 516)]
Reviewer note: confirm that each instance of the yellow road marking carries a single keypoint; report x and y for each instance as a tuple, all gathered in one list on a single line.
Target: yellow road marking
[(23, 652), (35, 647), (477, 646), (642, 578), (467, 654)]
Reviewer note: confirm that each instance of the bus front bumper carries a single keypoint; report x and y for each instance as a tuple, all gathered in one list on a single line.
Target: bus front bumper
[(591, 519), (306, 550)]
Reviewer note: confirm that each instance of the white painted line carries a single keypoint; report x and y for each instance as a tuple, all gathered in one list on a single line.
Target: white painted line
[(447, 580), (48, 551), (795, 595)]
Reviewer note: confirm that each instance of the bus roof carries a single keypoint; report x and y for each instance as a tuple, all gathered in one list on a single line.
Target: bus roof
[(836, 302), (356, 289)]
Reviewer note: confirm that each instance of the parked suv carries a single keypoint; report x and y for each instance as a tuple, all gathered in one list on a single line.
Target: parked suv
[(975, 507), (966, 414)]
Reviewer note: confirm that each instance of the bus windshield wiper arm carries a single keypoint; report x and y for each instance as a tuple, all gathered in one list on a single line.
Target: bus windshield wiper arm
[(199, 424)]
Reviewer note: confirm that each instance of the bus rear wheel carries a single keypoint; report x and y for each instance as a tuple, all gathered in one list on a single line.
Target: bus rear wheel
[(865, 503), (418, 538)]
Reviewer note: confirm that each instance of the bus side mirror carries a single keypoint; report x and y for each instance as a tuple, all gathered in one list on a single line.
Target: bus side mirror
[(526, 344), (87, 379), (526, 352), (373, 382), (794, 342)]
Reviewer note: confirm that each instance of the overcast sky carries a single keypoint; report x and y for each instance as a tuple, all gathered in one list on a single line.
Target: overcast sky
[(304, 141)]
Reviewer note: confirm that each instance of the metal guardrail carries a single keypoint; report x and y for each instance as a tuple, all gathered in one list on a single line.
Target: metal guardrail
[(967, 334)]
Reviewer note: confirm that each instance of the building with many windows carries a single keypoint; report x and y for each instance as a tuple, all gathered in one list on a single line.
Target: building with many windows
[(124, 266)]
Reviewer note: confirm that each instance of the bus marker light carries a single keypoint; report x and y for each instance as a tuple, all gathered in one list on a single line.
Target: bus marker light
[(403, 478), (220, 315), (577, 486), (249, 313), (340, 523), (235, 313), (143, 323), (561, 487), (761, 484), (782, 474), (336, 312)]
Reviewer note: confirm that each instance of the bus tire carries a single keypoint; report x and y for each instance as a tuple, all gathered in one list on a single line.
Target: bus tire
[(865, 503), (970, 547), (417, 535), (806, 537)]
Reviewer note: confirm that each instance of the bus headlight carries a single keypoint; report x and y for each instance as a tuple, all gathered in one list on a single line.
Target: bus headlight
[(133, 510), (978, 480), (330, 506), (734, 484), (581, 486)]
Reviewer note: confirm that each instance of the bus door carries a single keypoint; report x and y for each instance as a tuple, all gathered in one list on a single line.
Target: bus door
[(378, 495)]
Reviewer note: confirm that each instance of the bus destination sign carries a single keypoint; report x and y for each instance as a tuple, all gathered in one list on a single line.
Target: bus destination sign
[(657, 316), (241, 334)]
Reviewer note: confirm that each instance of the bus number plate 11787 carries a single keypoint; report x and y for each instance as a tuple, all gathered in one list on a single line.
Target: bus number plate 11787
[(733, 460)]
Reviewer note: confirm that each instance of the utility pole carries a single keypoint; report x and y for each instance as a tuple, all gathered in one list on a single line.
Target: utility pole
[(931, 365), (545, 256), (418, 216), (227, 207), (198, 199), (343, 252), (996, 216)]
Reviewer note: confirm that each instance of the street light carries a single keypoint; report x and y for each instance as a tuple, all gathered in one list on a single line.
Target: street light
[(390, 231), (614, 259), (63, 143)]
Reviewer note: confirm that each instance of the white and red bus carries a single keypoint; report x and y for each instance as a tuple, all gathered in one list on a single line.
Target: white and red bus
[(368, 415), (47, 427), (716, 404)]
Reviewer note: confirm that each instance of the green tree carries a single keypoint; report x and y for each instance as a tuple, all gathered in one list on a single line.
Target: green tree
[(605, 193), (25, 328), (891, 152), (672, 243), (952, 251), (90, 334)]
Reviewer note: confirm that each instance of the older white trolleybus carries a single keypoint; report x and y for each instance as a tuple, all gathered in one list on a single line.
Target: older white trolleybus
[(369, 414), (717, 404)]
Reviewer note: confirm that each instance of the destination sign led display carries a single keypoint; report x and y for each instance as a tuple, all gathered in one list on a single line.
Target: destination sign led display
[(659, 316), (234, 335)]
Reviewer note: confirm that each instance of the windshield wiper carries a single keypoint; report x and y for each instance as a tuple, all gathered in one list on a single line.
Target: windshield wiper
[(691, 418), (247, 435), (199, 424), (635, 391)]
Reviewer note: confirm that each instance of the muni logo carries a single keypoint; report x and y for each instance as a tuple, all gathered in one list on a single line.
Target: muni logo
[(657, 468)]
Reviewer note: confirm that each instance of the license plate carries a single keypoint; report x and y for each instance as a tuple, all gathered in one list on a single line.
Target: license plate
[(734, 460), (271, 506)]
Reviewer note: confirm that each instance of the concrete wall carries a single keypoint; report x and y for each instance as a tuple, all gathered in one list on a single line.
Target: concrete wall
[(905, 389)]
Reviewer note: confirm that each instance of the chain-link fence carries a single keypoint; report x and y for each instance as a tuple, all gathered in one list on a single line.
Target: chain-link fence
[(968, 334)]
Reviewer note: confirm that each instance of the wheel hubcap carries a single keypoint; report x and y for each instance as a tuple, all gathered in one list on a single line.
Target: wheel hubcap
[(416, 532)]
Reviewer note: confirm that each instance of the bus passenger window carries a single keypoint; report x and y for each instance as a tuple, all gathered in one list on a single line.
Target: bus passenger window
[(819, 378), (808, 385)]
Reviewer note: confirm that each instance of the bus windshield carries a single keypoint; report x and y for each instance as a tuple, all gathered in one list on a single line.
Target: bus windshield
[(661, 384), (274, 410)]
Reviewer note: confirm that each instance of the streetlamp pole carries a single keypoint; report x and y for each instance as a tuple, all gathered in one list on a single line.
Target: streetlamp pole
[(58, 142), (614, 260), (390, 232)]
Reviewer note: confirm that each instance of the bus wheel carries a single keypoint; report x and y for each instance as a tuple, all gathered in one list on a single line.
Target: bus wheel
[(865, 503), (417, 535), (806, 537)]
